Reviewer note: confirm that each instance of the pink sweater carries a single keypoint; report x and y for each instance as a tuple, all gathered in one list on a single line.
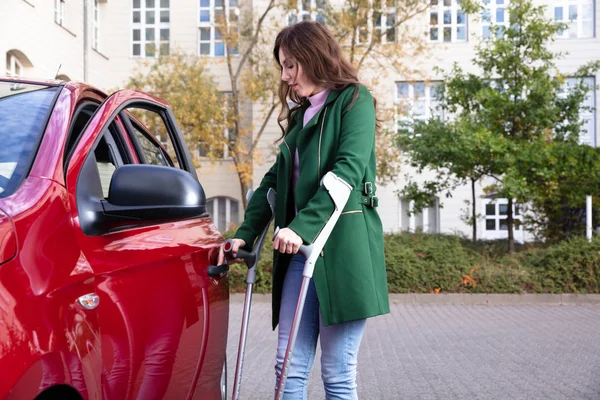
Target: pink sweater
[(316, 103)]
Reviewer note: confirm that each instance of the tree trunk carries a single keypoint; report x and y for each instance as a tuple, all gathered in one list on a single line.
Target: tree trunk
[(244, 188), (241, 173), (510, 223), (474, 210)]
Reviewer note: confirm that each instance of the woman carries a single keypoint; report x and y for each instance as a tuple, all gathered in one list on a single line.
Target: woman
[(331, 128)]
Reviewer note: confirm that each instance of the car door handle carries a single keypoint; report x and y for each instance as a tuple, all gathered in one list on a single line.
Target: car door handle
[(215, 271), (89, 301)]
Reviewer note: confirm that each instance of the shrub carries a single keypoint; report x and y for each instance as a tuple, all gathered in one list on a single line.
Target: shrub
[(428, 263), (264, 271), (568, 267)]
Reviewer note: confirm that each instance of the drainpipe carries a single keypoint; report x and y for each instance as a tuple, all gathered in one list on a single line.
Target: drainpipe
[(85, 40)]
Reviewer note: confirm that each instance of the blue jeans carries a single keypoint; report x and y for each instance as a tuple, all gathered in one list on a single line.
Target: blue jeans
[(339, 343)]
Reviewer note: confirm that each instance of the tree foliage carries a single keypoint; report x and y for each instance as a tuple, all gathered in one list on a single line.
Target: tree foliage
[(184, 82), (507, 121), (379, 36), (248, 37)]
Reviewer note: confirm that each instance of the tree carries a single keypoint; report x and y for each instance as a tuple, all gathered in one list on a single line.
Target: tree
[(377, 36), (560, 175), (369, 43), (460, 153), (184, 82), (514, 105), (373, 35)]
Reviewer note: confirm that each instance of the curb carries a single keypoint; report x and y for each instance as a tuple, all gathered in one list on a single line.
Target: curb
[(471, 299)]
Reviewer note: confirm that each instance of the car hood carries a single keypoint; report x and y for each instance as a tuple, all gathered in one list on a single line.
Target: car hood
[(8, 238)]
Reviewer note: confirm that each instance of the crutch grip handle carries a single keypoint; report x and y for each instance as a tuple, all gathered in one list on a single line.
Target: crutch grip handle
[(247, 256), (304, 249)]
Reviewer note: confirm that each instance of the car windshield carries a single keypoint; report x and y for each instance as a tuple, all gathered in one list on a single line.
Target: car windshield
[(23, 111)]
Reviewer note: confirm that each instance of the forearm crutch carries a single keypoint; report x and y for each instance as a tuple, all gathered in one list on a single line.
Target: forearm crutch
[(339, 191), (251, 261)]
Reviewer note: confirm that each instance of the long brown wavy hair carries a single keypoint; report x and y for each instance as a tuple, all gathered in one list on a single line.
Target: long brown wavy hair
[(313, 47)]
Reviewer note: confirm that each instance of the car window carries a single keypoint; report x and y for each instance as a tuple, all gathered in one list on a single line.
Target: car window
[(82, 116), (24, 111), (153, 138), (106, 161), (153, 153)]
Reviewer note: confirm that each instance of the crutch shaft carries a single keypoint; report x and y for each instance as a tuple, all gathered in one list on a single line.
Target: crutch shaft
[(292, 339), (242, 344)]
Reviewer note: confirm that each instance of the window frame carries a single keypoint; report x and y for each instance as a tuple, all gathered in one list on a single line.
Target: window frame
[(493, 6), (132, 124), (313, 13), (497, 217), (410, 223), (430, 103), (12, 62), (585, 116), (565, 5), (96, 25), (72, 140), (213, 203), (143, 27), (211, 26), (367, 30), (440, 8), (113, 137), (59, 12)]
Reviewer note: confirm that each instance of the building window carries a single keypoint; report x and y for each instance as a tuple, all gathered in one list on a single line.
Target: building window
[(496, 211), (494, 14), (59, 12), (578, 14), (96, 25), (418, 101), (428, 220), (211, 19), (587, 134), (224, 212), (219, 152), (447, 21), (13, 65), (379, 20), (151, 28), (307, 10)]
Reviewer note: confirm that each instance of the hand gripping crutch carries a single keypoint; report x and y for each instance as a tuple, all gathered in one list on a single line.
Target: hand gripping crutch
[(339, 191), (251, 260)]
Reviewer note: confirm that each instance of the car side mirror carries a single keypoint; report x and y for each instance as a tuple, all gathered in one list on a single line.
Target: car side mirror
[(153, 193)]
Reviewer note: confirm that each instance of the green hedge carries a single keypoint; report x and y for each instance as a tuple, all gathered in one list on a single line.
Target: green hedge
[(425, 263)]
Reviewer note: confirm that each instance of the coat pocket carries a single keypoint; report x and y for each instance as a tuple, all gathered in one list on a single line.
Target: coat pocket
[(351, 212)]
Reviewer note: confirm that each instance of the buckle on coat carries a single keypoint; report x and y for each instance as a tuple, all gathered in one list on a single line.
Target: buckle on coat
[(368, 189), (374, 201)]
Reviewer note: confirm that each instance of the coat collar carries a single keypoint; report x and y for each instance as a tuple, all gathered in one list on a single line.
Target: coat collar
[(333, 94), (288, 145)]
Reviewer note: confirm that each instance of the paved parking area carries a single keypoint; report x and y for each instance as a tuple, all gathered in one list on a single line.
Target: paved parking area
[(443, 351)]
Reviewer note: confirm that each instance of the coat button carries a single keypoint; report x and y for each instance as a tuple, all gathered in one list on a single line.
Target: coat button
[(322, 252)]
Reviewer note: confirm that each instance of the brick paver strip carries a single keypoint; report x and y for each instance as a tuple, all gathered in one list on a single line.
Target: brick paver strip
[(544, 347)]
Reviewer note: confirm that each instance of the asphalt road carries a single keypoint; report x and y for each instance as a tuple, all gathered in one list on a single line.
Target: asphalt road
[(444, 351)]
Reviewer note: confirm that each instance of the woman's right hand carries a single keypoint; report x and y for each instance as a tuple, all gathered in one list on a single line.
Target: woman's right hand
[(237, 243)]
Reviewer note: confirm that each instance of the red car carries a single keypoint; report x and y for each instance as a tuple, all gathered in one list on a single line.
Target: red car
[(104, 249)]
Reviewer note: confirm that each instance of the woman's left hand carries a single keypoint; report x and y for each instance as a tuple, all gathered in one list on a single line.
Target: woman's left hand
[(287, 241)]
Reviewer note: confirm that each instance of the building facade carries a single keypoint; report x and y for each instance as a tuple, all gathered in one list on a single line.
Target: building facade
[(102, 42)]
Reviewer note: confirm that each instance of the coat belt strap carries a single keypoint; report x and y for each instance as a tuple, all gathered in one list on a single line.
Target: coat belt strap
[(368, 200)]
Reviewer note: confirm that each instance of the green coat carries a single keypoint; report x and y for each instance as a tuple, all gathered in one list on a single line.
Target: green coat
[(350, 275)]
